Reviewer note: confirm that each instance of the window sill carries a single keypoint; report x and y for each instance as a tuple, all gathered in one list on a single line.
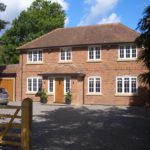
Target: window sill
[(126, 60), (31, 93), (50, 94), (34, 63), (65, 62), (126, 95), (94, 94), (94, 61)]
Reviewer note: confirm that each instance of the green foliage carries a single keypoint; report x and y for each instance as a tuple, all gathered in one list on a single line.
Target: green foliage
[(68, 97), (2, 22), (144, 40), (41, 17), (43, 96)]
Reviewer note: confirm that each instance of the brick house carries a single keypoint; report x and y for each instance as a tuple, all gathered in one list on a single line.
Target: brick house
[(98, 63)]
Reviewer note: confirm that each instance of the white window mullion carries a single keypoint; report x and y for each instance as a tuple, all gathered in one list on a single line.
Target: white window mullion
[(94, 85), (130, 85), (37, 82), (32, 56), (65, 55), (32, 84), (130, 51), (123, 86), (37, 55), (125, 52), (94, 53)]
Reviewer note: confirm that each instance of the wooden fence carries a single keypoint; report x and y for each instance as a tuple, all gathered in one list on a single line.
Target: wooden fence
[(24, 127)]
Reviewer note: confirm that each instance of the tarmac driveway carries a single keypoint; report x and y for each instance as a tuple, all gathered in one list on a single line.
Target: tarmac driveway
[(90, 127)]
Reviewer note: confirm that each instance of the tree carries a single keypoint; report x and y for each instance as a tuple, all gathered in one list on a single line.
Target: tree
[(144, 41), (2, 22), (41, 17)]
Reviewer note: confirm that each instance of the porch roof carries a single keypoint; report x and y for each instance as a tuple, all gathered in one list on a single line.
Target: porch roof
[(63, 69), (10, 69)]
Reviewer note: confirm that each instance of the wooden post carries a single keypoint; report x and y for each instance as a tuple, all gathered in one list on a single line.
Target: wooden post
[(26, 124)]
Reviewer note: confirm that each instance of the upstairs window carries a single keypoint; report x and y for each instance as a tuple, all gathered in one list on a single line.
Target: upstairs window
[(126, 85), (94, 85), (127, 52), (94, 53), (66, 54), (35, 56), (34, 84)]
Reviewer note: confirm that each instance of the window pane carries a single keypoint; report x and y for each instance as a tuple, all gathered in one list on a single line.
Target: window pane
[(119, 85), (133, 85), (39, 84), (97, 53), (35, 56), (133, 51), (97, 85), (91, 85), (40, 56), (127, 51), (30, 56), (67, 84), (91, 53), (121, 52), (126, 85), (68, 54), (62, 55), (34, 84), (51, 85), (30, 85)]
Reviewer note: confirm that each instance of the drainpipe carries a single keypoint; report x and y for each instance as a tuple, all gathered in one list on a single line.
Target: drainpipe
[(21, 74)]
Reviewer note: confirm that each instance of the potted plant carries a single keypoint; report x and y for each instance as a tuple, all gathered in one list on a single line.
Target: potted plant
[(43, 96), (68, 97)]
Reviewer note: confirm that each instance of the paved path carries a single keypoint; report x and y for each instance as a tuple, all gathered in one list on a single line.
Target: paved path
[(90, 128)]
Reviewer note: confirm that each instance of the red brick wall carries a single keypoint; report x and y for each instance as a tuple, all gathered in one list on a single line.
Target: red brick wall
[(108, 68)]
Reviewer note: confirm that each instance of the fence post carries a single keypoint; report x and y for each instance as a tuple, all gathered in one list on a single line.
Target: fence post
[(26, 124)]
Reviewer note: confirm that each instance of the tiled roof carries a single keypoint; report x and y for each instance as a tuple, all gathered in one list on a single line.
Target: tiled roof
[(98, 34), (63, 69), (14, 68)]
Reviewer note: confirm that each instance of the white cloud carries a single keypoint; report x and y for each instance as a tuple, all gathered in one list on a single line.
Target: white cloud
[(14, 7), (97, 9), (110, 19), (66, 21)]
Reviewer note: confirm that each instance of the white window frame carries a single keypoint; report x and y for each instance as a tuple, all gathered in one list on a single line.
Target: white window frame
[(53, 85), (126, 58), (130, 87), (37, 78), (65, 49), (32, 61), (65, 92), (94, 53), (95, 93)]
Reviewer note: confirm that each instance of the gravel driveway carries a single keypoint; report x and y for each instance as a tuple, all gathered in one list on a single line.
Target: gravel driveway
[(61, 127)]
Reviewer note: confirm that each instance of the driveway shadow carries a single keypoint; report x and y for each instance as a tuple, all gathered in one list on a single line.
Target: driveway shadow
[(82, 128)]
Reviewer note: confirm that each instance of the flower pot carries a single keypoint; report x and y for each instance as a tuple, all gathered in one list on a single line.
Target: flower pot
[(44, 100), (68, 101)]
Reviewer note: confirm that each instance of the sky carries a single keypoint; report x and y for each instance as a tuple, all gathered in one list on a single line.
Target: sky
[(87, 12)]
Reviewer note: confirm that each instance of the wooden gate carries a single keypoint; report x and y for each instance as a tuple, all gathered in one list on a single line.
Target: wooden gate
[(25, 126)]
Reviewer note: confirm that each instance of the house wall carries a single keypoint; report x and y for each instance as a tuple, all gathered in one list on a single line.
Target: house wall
[(108, 68)]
